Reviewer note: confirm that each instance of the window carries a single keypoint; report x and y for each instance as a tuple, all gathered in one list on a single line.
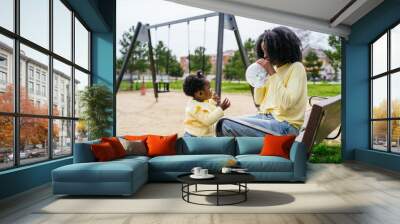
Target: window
[(30, 88), (62, 74), (6, 74), (3, 78), (3, 73), (30, 73), (81, 82), (44, 91), (6, 142), (62, 29), (3, 82), (44, 77), (35, 21), (38, 89), (62, 140), (3, 61), (385, 97), (7, 14), (54, 126), (81, 45), (37, 74)]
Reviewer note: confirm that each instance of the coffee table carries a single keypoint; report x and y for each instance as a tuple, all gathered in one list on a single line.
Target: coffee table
[(238, 179)]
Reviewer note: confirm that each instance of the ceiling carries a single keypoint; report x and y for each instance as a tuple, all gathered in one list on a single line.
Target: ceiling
[(327, 16)]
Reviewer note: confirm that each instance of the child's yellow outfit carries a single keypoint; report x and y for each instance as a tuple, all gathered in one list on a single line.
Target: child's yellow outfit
[(200, 117)]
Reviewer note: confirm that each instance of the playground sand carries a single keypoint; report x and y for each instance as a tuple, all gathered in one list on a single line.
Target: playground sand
[(137, 114)]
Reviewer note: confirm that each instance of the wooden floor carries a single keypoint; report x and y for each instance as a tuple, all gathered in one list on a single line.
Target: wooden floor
[(377, 188)]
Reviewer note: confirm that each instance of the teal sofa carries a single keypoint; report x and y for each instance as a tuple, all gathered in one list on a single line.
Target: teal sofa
[(125, 176)]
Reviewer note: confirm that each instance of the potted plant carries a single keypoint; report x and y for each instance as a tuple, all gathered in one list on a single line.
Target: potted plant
[(96, 104)]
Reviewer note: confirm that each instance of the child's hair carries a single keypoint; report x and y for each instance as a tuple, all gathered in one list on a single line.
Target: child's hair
[(283, 45), (194, 83)]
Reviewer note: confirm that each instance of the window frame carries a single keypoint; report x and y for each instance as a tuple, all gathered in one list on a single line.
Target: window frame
[(16, 114), (388, 74)]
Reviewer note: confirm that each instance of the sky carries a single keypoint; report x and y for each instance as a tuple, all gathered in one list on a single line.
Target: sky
[(129, 12)]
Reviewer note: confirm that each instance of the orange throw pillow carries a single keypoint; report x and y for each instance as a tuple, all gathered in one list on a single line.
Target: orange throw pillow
[(136, 138), (116, 145), (103, 152), (277, 145), (161, 145)]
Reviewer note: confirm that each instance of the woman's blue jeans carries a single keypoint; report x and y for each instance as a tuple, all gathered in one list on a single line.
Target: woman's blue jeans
[(266, 121)]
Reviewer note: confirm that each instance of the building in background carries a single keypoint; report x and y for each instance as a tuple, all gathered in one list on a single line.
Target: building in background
[(184, 62), (34, 80)]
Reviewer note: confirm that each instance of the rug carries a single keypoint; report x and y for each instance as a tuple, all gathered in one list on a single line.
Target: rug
[(167, 198)]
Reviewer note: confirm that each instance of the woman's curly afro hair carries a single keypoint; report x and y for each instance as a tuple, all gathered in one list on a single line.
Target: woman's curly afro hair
[(283, 45), (194, 83)]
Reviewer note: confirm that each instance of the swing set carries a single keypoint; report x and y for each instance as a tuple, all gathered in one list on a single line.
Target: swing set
[(142, 33)]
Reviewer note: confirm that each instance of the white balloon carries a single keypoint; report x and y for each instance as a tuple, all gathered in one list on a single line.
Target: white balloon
[(256, 75)]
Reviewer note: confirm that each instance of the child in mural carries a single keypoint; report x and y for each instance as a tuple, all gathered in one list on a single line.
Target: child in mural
[(204, 109)]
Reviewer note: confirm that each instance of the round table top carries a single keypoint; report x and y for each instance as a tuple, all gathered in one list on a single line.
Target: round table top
[(220, 178)]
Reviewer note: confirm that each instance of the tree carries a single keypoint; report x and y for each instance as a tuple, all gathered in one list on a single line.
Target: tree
[(33, 131), (313, 65), (175, 69), (161, 54), (334, 55), (250, 46), (196, 61), (379, 129), (235, 69)]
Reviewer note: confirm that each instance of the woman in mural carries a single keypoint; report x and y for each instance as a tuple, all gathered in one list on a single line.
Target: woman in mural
[(282, 99)]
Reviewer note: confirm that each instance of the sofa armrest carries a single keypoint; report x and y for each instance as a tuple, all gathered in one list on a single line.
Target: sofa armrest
[(83, 152), (298, 155)]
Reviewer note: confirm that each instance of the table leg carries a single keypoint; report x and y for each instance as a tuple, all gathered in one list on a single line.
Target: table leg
[(245, 193), (188, 190), (196, 187), (217, 194)]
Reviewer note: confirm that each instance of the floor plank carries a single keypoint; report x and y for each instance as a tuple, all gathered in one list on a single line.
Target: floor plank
[(376, 189)]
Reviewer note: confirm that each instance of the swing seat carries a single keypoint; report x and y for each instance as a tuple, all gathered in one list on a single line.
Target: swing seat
[(162, 87), (323, 118)]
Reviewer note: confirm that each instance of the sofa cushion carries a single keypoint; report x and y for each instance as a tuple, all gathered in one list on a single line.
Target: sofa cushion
[(257, 163), (116, 145), (131, 159), (161, 145), (103, 152), (185, 163), (206, 145), (112, 171), (134, 147), (249, 145), (277, 145), (83, 152)]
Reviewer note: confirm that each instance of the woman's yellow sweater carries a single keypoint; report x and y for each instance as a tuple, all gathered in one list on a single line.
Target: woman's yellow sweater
[(284, 94)]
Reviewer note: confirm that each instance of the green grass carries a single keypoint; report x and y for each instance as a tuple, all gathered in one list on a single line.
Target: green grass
[(321, 89), (126, 86), (326, 153)]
